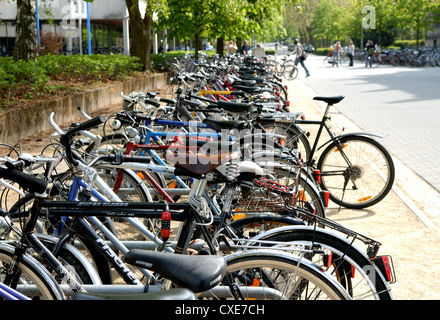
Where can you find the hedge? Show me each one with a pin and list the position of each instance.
(322, 51)
(32, 77)
(408, 43)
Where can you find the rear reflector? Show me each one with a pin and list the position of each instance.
(385, 265)
(325, 196)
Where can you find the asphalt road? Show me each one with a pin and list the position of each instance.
(400, 103)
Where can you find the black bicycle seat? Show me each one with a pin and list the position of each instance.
(247, 89)
(219, 125)
(197, 273)
(330, 100)
(172, 294)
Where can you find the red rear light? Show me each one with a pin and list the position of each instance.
(325, 197)
(385, 265)
(288, 103)
(318, 175)
(327, 258)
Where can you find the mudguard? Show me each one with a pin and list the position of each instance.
(352, 134)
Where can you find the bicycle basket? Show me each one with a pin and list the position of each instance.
(264, 195)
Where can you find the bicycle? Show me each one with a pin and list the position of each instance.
(354, 168)
(286, 68)
(113, 209)
(299, 266)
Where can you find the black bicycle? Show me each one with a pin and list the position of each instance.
(354, 168)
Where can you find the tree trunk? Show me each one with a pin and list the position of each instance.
(197, 46)
(140, 34)
(220, 46)
(25, 31)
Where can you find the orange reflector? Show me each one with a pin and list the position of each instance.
(140, 174)
(342, 147)
(238, 216)
(364, 199)
(172, 185)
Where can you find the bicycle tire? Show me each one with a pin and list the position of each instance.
(290, 72)
(266, 274)
(371, 172)
(32, 273)
(369, 281)
(296, 138)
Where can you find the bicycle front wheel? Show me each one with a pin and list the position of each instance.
(269, 275)
(34, 280)
(357, 173)
(290, 71)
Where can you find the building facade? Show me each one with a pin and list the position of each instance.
(432, 38)
(67, 19)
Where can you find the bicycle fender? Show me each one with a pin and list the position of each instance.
(352, 134)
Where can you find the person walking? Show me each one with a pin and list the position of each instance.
(370, 52)
(300, 56)
(244, 49)
(231, 48)
(350, 52)
(336, 48)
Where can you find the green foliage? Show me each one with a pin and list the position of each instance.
(322, 51)
(13, 73)
(270, 52)
(408, 43)
(30, 79)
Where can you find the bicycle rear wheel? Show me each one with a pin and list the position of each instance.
(270, 275)
(359, 173)
(338, 257)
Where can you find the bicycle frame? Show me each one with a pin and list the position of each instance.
(333, 137)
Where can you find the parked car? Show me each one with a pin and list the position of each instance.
(309, 48)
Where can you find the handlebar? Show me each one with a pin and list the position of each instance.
(26, 181)
(66, 138)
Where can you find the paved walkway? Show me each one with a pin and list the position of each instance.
(406, 222)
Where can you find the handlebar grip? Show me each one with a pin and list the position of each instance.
(26, 181)
(153, 103)
(86, 125)
(119, 158)
(167, 100)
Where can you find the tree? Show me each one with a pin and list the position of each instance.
(419, 14)
(190, 19)
(140, 28)
(25, 31)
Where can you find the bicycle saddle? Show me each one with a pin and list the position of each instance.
(199, 164)
(172, 294)
(234, 106)
(197, 273)
(247, 83)
(224, 124)
(330, 100)
(247, 89)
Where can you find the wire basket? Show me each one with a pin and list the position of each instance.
(264, 195)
